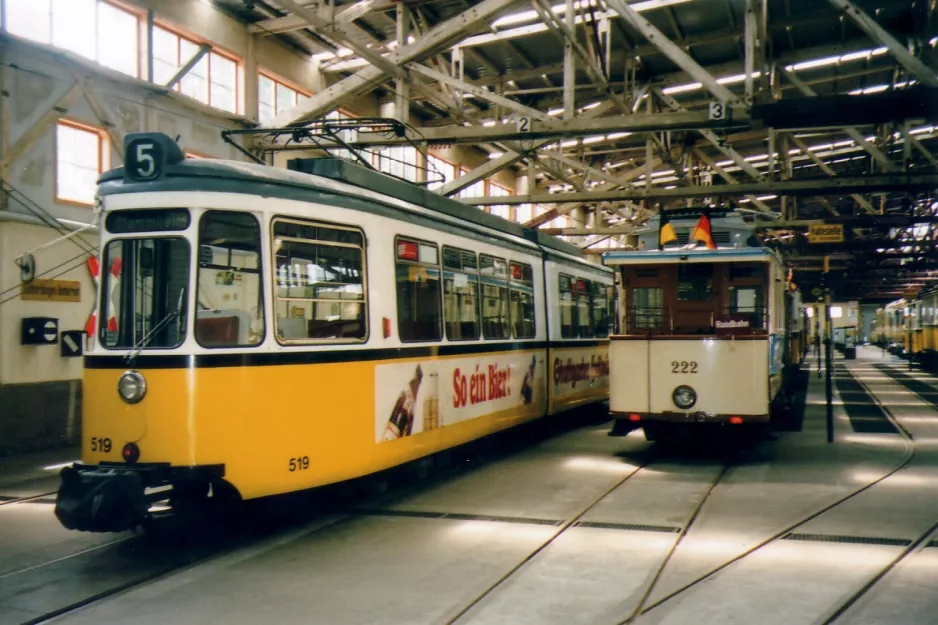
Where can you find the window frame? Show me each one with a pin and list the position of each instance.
(273, 268)
(102, 300)
(511, 286)
(104, 155)
(283, 82)
(455, 167)
(260, 279)
(441, 326)
(507, 280)
(478, 277)
(575, 291)
(136, 12)
(196, 40)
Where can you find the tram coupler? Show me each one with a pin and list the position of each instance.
(94, 499)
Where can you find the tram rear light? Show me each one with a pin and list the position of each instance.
(386, 326)
(130, 453)
(635, 417)
(736, 420)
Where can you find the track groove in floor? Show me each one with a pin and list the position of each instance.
(866, 417)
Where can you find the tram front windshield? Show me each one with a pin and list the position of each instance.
(148, 281)
(144, 292)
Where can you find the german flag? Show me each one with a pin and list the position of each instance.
(666, 232)
(702, 232)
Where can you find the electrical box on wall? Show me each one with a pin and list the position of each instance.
(71, 344)
(39, 331)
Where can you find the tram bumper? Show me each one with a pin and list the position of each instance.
(100, 499)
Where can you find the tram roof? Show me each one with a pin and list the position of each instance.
(231, 176)
(674, 256)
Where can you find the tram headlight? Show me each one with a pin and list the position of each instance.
(132, 386)
(684, 397)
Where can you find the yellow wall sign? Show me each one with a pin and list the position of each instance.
(826, 233)
(51, 291)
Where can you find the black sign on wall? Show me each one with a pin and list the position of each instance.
(39, 331)
(70, 345)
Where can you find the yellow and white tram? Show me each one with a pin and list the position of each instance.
(705, 333)
(268, 330)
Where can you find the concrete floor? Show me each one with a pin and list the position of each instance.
(428, 556)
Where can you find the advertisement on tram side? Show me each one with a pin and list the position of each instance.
(579, 372)
(422, 396)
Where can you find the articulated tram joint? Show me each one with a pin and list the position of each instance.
(113, 497)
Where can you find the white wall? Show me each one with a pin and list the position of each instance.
(20, 364)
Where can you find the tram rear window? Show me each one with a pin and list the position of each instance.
(148, 220)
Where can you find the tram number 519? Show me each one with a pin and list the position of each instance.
(101, 444)
(299, 464)
(684, 366)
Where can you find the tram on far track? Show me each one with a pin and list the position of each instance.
(711, 329)
(263, 330)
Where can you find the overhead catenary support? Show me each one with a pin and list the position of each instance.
(877, 33)
(878, 155)
(185, 69)
(841, 185)
(368, 78)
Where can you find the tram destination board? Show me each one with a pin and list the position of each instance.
(826, 233)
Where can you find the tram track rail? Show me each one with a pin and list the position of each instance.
(789, 530)
(26, 499)
(574, 520)
(333, 504)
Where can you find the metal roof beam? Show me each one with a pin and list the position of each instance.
(877, 33)
(853, 133)
(369, 78)
(578, 127)
(827, 186)
(859, 199)
(678, 56)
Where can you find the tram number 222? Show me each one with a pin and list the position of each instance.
(684, 366)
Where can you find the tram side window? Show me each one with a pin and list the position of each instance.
(568, 310)
(584, 309)
(522, 301)
(494, 274)
(419, 309)
(601, 312)
(229, 298)
(320, 277)
(460, 294)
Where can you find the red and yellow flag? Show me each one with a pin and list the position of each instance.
(703, 233)
(666, 232)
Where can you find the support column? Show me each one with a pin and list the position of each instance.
(250, 79)
(750, 47)
(569, 67)
(401, 85)
(458, 70)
